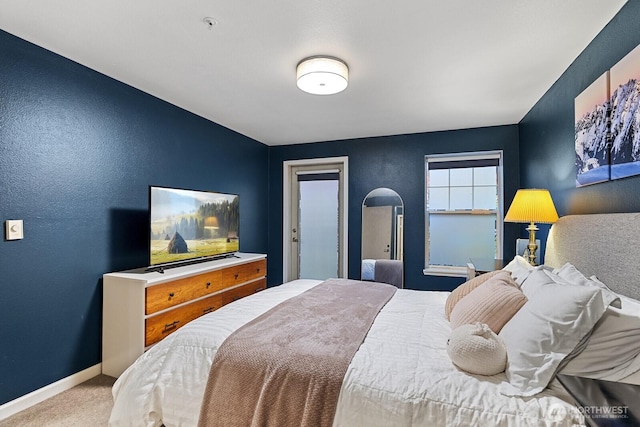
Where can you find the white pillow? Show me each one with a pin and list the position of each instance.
(519, 268)
(546, 329)
(571, 274)
(538, 277)
(476, 349)
(613, 349)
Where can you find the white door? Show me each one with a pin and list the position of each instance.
(376, 237)
(314, 229)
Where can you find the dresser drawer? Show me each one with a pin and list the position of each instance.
(243, 291)
(169, 294)
(159, 326)
(244, 272)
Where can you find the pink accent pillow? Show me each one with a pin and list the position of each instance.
(464, 289)
(494, 303)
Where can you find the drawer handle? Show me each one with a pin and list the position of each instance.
(171, 295)
(208, 310)
(236, 276)
(172, 325)
(208, 284)
(257, 270)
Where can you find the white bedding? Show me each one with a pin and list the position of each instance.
(400, 376)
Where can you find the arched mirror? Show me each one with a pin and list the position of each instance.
(382, 237)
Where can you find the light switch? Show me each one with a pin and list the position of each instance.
(13, 228)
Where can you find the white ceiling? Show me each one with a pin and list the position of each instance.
(414, 65)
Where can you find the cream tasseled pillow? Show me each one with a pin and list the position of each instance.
(477, 350)
(464, 289)
(494, 303)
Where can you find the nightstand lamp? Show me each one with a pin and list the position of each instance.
(531, 206)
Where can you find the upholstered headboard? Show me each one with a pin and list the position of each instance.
(603, 245)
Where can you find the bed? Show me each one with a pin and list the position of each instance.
(401, 375)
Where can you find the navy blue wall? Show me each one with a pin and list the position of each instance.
(77, 153)
(547, 150)
(396, 162)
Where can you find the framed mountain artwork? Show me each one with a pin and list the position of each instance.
(591, 130)
(607, 124)
(625, 116)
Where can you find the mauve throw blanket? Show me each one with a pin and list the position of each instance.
(285, 368)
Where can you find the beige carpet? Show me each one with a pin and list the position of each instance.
(85, 405)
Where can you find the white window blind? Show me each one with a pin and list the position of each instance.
(463, 212)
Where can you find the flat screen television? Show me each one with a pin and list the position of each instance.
(190, 225)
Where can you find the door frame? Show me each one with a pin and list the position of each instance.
(287, 165)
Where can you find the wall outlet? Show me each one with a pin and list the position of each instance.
(13, 229)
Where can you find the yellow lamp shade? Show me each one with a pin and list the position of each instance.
(532, 205)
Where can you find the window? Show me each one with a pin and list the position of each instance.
(463, 210)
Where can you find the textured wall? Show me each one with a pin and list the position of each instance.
(78, 151)
(547, 132)
(396, 162)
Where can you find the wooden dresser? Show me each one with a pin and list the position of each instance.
(141, 308)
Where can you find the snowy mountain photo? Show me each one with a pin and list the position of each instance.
(609, 147)
(625, 118)
(592, 159)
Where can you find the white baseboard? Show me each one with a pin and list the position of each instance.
(44, 393)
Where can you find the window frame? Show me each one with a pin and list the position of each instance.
(461, 271)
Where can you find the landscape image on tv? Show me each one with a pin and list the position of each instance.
(188, 225)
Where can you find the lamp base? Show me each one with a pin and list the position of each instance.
(532, 246)
(522, 248)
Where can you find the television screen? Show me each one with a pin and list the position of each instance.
(188, 225)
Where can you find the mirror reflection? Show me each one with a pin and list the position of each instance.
(382, 237)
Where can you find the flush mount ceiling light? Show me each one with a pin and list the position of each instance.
(322, 75)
